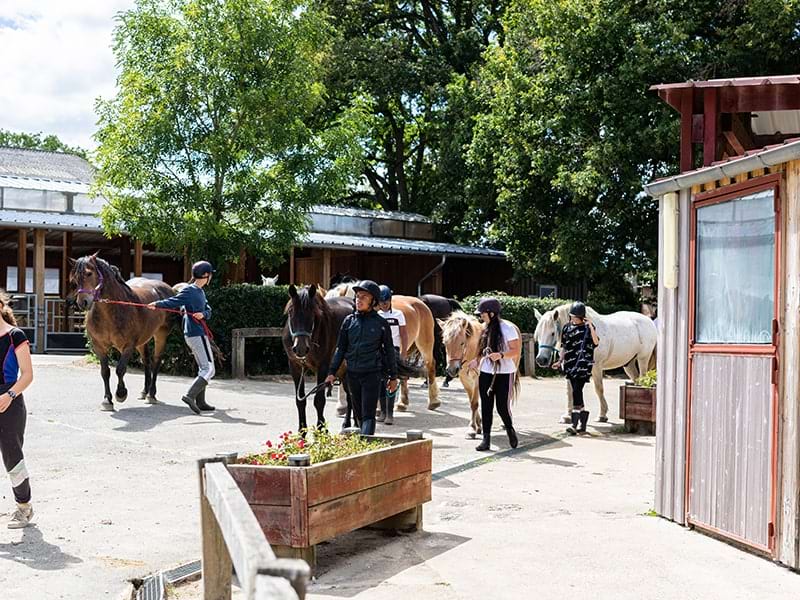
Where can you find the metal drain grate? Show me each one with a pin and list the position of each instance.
(152, 588)
(182, 573)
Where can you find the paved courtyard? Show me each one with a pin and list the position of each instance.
(116, 497)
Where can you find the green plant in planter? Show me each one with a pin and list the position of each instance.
(320, 445)
(647, 380)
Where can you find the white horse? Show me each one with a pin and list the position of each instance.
(627, 340)
(343, 289)
(269, 281)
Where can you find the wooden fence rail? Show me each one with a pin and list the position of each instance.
(233, 541)
(238, 337)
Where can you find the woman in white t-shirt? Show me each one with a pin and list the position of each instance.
(499, 346)
(397, 323)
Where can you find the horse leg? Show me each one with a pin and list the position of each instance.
(160, 342)
(299, 392)
(567, 416)
(341, 400)
(402, 403)
(631, 371)
(433, 387)
(144, 352)
(122, 392)
(472, 397)
(597, 378)
(105, 373)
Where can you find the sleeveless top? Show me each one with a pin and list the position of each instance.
(8, 351)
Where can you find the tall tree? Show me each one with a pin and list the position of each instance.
(207, 143)
(38, 141)
(571, 133)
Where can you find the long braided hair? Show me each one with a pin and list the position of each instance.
(492, 335)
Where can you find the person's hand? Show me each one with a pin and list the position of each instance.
(495, 356)
(473, 364)
(392, 385)
(5, 402)
(198, 316)
(330, 379)
(556, 365)
(152, 306)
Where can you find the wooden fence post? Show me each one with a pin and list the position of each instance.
(217, 565)
(237, 354)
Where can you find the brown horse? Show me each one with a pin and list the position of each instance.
(126, 328)
(309, 340)
(420, 329)
(461, 336)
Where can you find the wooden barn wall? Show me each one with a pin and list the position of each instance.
(464, 276)
(673, 309)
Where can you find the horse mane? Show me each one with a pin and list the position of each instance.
(455, 323)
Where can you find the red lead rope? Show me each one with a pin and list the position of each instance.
(201, 322)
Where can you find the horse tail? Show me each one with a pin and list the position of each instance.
(517, 387)
(653, 363)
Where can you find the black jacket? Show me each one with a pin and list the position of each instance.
(365, 342)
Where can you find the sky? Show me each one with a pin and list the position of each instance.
(56, 60)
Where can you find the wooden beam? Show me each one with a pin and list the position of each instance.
(710, 118)
(686, 131)
(38, 285)
(22, 259)
(137, 258)
(187, 265)
(737, 146)
(66, 254)
(125, 257)
(326, 268)
(291, 266)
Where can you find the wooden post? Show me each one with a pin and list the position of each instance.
(22, 259)
(217, 565)
(237, 355)
(529, 364)
(137, 258)
(38, 285)
(187, 265)
(710, 118)
(326, 268)
(687, 110)
(125, 257)
(66, 254)
(291, 266)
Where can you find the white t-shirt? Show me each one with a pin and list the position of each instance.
(396, 320)
(505, 365)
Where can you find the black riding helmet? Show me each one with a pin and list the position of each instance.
(578, 309)
(201, 269)
(488, 305)
(369, 286)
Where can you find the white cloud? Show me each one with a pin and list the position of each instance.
(56, 60)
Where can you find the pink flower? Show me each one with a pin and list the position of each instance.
(269, 444)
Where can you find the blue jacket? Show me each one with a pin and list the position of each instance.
(365, 341)
(191, 299)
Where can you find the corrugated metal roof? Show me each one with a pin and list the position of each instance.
(50, 185)
(768, 156)
(770, 122)
(734, 81)
(396, 245)
(23, 162)
(369, 214)
(50, 220)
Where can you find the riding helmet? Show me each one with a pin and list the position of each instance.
(386, 293)
(578, 309)
(488, 305)
(367, 285)
(202, 268)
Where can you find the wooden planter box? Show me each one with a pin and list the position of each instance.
(299, 507)
(637, 406)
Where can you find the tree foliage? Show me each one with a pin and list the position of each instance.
(208, 143)
(38, 141)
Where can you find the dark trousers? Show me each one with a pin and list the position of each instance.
(499, 394)
(364, 391)
(577, 392)
(12, 434)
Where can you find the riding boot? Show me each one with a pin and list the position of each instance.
(584, 419)
(201, 402)
(513, 441)
(573, 429)
(390, 397)
(190, 398)
(485, 444)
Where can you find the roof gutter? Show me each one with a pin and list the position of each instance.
(767, 158)
(431, 273)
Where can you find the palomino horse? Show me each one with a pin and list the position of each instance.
(420, 329)
(309, 339)
(627, 339)
(461, 336)
(441, 308)
(341, 290)
(122, 327)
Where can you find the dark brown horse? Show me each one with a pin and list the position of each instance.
(309, 339)
(126, 328)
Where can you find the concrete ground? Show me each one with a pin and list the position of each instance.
(116, 498)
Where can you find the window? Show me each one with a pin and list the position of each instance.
(34, 200)
(548, 291)
(81, 203)
(735, 277)
(52, 280)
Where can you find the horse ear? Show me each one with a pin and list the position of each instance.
(275, 279)
(94, 256)
(441, 322)
(72, 261)
(292, 291)
(538, 314)
(312, 290)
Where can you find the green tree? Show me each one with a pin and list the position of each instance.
(572, 133)
(208, 144)
(38, 141)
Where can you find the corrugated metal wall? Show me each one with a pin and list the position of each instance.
(673, 314)
(731, 442)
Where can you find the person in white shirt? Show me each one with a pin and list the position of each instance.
(499, 346)
(397, 323)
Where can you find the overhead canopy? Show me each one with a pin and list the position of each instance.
(396, 246)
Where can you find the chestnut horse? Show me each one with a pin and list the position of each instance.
(420, 326)
(126, 328)
(461, 334)
(309, 340)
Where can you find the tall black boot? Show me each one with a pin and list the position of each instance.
(573, 429)
(485, 444)
(584, 418)
(190, 398)
(201, 402)
(512, 437)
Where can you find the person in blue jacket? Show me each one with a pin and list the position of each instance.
(365, 341)
(194, 305)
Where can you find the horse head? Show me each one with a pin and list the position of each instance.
(458, 335)
(302, 313)
(547, 336)
(88, 276)
(269, 281)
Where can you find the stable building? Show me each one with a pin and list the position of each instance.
(728, 416)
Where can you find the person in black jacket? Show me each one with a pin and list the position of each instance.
(365, 341)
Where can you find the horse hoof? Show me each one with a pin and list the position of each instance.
(566, 419)
(107, 406)
(434, 405)
(401, 407)
(122, 398)
(143, 396)
(150, 400)
(603, 419)
(470, 435)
